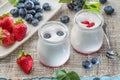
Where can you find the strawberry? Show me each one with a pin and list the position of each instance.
(6, 38)
(7, 22)
(0, 22)
(85, 22)
(90, 24)
(19, 30)
(25, 62)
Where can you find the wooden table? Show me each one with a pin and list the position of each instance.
(9, 68)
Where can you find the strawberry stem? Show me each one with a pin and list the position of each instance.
(1, 35)
(0, 42)
(21, 54)
(19, 21)
(6, 14)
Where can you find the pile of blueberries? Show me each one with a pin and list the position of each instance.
(88, 64)
(75, 5)
(30, 10)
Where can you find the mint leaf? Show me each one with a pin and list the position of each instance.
(73, 75)
(60, 74)
(65, 1)
(14, 2)
(91, 5)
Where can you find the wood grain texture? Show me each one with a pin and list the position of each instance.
(9, 68)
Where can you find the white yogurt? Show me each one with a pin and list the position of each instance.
(54, 51)
(87, 40)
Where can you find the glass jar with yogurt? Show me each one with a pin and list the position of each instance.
(53, 44)
(87, 33)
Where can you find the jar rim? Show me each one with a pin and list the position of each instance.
(88, 10)
(53, 22)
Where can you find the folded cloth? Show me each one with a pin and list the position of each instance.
(81, 78)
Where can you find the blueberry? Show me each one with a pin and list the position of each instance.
(47, 35)
(109, 10)
(22, 12)
(70, 6)
(14, 12)
(38, 16)
(20, 5)
(96, 78)
(38, 8)
(36, 2)
(21, 1)
(29, 18)
(60, 33)
(87, 64)
(46, 7)
(31, 12)
(102, 1)
(77, 8)
(29, 5)
(35, 22)
(95, 60)
(64, 19)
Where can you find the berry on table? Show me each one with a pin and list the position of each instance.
(46, 7)
(64, 19)
(14, 12)
(60, 33)
(21, 1)
(87, 64)
(109, 10)
(47, 35)
(102, 1)
(95, 60)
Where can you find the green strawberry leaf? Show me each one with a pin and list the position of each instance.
(60, 74)
(73, 75)
(65, 1)
(14, 2)
(21, 54)
(19, 21)
(0, 42)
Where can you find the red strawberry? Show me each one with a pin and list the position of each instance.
(90, 24)
(0, 22)
(85, 22)
(7, 22)
(6, 38)
(19, 30)
(25, 62)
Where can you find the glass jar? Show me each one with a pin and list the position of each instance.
(53, 44)
(87, 40)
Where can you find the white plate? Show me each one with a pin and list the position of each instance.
(31, 29)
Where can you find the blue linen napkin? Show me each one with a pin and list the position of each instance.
(81, 78)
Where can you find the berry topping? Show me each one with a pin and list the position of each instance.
(90, 25)
(60, 33)
(47, 35)
(85, 22)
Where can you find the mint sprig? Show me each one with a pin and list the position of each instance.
(63, 75)
(65, 1)
(14, 2)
